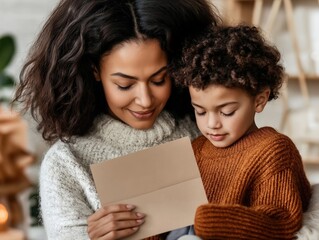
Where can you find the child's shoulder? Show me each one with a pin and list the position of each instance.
(271, 135)
(276, 148)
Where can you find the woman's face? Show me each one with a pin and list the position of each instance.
(135, 82)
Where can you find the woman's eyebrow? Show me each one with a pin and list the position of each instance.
(135, 78)
(158, 71)
(124, 75)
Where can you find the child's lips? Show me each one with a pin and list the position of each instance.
(216, 137)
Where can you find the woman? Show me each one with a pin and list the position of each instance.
(97, 81)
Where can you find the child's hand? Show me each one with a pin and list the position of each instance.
(114, 222)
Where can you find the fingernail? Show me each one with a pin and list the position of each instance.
(140, 220)
(140, 214)
(134, 228)
(129, 206)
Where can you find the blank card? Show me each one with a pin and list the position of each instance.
(163, 182)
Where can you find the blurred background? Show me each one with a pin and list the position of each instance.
(292, 25)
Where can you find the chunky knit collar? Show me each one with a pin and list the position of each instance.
(118, 134)
(110, 138)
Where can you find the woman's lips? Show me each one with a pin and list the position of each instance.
(142, 115)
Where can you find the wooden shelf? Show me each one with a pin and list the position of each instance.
(239, 11)
(250, 12)
(310, 161)
(308, 77)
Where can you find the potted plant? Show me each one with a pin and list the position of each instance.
(7, 51)
(14, 155)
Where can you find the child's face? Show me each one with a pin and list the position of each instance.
(223, 115)
(135, 81)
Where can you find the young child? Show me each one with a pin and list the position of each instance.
(254, 177)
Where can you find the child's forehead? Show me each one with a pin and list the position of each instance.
(217, 89)
(217, 94)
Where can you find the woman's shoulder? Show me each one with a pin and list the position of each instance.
(57, 157)
(59, 147)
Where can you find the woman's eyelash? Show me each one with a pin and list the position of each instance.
(160, 82)
(200, 113)
(124, 88)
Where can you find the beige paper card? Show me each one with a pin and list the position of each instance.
(163, 182)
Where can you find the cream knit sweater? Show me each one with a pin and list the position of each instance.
(67, 191)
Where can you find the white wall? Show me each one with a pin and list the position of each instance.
(23, 19)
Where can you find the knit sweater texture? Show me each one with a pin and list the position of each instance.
(257, 188)
(67, 191)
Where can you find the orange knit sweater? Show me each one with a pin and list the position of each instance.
(257, 188)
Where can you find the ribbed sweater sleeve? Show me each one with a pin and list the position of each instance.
(255, 191)
(267, 218)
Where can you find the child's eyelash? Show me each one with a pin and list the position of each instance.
(228, 114)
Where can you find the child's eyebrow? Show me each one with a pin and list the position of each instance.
(218, 106)
(225, 104)
(123, 75)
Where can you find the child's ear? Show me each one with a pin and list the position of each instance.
(261, 100)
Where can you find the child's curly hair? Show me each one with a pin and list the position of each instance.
(233, 57)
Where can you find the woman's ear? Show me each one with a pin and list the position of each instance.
(96, 74)
(261, 100)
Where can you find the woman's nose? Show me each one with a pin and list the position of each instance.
(144, 96)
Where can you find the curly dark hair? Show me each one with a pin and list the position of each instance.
(235, 57)
(57, 82)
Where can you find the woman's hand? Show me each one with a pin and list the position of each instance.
(114, 222)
